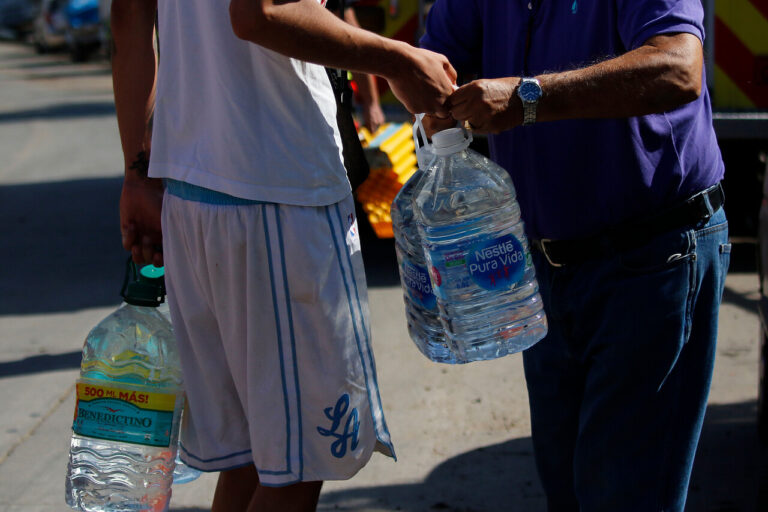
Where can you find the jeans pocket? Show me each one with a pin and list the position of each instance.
(663, 252)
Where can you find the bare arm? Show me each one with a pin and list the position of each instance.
(133, 77)
(661, 75)
(367, 90)
(303, 29)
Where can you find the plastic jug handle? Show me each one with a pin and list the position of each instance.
(418, 128)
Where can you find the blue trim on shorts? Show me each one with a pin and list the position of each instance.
(279, 346)
(354, 322)
(238, 466)
(217, 470)
(367, 339)
(293, 341)
(190, 192)
(214, 459)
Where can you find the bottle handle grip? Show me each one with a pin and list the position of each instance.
(418, 129)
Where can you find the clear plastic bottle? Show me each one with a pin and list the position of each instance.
(182, 473)
(421, 312)
(129, 403)
(477, 252)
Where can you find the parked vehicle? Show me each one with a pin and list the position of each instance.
(50, 27)
(105, 10)
(18, 16)
(83, 28)
(736, 53)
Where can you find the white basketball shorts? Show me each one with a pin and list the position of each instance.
(270, 309)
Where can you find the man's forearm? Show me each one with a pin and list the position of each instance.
(133, 77)
(366, 83)
(305, 30)
(662, 75)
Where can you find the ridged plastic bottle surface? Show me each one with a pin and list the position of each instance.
(421, 310)
(478, 256)
(130, 387)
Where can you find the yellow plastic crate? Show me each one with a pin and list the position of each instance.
(392, 158)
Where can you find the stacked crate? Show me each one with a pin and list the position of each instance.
(392, 158)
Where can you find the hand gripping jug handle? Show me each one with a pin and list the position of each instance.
(425, 153)
(425, 156)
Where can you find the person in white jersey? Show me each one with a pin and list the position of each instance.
(265, 278)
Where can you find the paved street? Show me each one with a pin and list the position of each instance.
(462, 434)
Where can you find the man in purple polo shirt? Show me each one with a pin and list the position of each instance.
(599, 113)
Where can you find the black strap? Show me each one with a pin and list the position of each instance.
(339, 81)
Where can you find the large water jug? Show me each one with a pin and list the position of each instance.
(129, 403)
(477, 252)
(421, 312)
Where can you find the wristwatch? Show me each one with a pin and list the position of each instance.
(529, 92)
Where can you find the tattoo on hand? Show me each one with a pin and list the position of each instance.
(141, 164)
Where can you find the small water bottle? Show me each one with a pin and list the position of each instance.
(477, 252)
(421, 312)
(129, 403)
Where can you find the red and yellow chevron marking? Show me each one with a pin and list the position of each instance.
(741, 54)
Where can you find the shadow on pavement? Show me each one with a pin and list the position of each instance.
(67, 73)
(731, 467)
(742, 300)
(60, 111)
(378, 254)
(730, 472)
(41, 363)
(61, 246)
(501, 477)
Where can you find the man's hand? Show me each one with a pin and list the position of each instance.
(140, 204)
(489, 105)
(434, 124)
(425, 83)
(422, 80)
(373, 116)
(133, 75)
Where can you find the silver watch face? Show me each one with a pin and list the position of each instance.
(529, 91)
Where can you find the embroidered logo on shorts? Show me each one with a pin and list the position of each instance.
(353, 238)
(348, 437)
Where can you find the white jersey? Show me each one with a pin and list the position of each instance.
(237, 118)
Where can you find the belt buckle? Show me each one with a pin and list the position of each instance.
(702, 204)
(543, 248)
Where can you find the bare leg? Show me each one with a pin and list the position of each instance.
(301, 497)
(235, 489)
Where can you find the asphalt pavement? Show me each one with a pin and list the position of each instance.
(462, 434)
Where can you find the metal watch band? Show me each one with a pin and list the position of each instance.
(529, 113)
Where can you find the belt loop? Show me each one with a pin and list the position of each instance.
(542, 246)
(702, 204)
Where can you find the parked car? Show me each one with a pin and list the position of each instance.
(84, 29)
(105, 10)
(50, 29)
(18, 16)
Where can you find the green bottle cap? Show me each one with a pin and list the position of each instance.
(145, 287)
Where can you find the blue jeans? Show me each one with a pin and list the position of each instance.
(619, 386)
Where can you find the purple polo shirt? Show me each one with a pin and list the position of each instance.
(576, 178)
